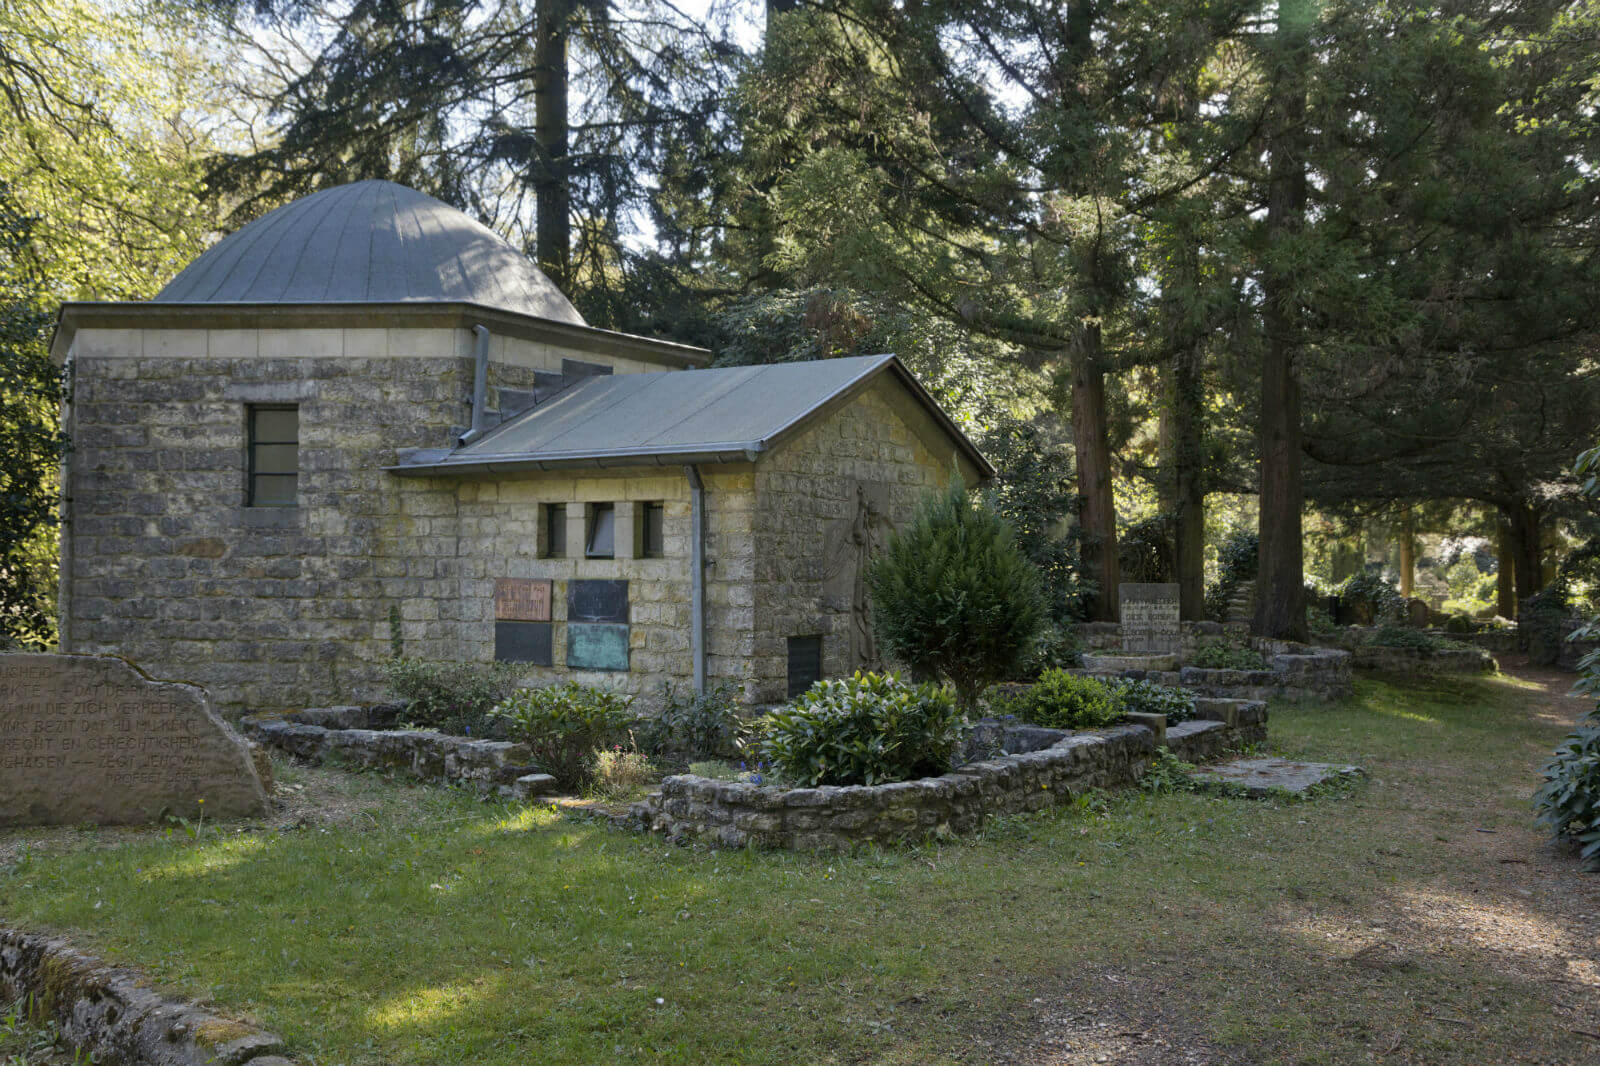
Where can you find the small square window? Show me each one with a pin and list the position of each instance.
(652, 530)
(555, 530)
(273, 456)
(602, 533)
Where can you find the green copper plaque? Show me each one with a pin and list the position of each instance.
(597, 646)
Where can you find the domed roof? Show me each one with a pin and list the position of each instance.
(369, 242)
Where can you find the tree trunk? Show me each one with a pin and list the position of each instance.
(1188, 477)
(1280, 586)
(1525, 525)
(552, 195)
(1097, 512)
(1505, 587)
(1408, 553)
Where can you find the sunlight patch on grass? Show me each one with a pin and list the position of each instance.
(204, 860)
(425, 1008)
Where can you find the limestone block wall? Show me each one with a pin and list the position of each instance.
(272, 608)
(805, 501)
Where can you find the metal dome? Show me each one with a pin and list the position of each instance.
(369, 242)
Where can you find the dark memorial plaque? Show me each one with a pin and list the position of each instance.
(92, 739)
(1149, 615)
(521, 599)
(597, 601)
(597, 646)
(522, 642)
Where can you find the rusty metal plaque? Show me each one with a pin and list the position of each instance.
(521, 599)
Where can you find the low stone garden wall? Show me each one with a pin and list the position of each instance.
(1424, 660)
(1303, 674)
(366, 737)
(112, 1015)
(1106, 637)
(1055, 767)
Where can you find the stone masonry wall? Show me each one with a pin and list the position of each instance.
(805, 501)
(270, 608)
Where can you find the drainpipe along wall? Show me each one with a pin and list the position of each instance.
(697, 576)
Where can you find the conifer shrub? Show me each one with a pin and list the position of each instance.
(869, 729)
(953, 596)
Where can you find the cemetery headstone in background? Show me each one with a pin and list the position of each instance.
(1149, 614)
(92, 739)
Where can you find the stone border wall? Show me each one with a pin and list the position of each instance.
(365, 737)
(735, 814)
(1106, 637)
(1424, 660)
(108, 1012)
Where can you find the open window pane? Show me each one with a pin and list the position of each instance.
(654, 530)
(555, 530)
(602, 531)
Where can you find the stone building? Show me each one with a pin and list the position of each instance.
(366, 424)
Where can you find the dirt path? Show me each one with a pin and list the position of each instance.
(1505, 895)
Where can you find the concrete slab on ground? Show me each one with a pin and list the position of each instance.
(1261, 778)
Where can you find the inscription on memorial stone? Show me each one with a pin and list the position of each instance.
(1149, 615)
(521, 599)
(87, 738)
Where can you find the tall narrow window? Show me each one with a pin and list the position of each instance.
(652, 532)
(555, 530)
(274, 456)
(602, 531)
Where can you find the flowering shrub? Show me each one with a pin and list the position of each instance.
(865, 730)
(565, 725)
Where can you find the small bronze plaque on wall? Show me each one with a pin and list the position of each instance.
(521, 599)
(597, 646)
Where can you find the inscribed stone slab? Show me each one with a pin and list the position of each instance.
(91, 738)
(521, 599)
(1149, 614)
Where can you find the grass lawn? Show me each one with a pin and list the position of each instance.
(1419, 918)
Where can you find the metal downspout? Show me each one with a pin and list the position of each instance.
(697, 576)
(480, 386)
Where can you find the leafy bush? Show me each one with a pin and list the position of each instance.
(1056, 647)
(1064, 701)
(1147, 550)
(1568, 803)
(1238, 560)
(565, 725)
(954, 597)
(1147, 697)
(865, 730)
(1219, 655)
(619, 772)
(1034, 488)
(693, 725)
(1372, 591)
(1459, 623)
(1392, 636)
(450, 697)
(1167, 774)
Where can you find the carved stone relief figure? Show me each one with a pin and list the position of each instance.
(850, 546)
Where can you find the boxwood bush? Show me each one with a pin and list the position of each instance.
(869, 729)
(1064, 701)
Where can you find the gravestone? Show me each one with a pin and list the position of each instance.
(1149, 614)
(92, 739)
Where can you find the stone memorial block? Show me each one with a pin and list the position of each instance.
(1149, 615)
(91, 738)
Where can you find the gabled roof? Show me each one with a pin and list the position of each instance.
(369, 242)
(728, 414)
